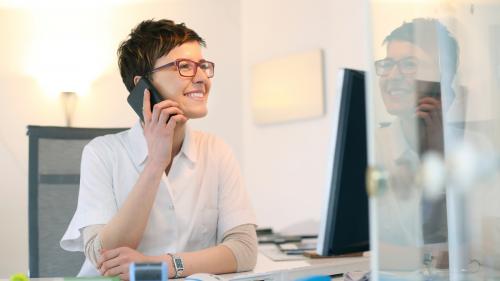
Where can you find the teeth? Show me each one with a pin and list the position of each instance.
(398, 92)
(195, 95)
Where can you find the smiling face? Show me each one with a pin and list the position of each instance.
(191, 93)
(398, 89)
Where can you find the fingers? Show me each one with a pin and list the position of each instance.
(179, 118)
(104, 257)
(156, 112)
(425, 116)
(167, 112)
(113, 262)
(429, 100)
(176, 119)
(116, 262)
(121, 270)
(107, 255)
(431, 118)
(163, 110)
(110, 264)
(146, 106)
(110, 254)
(124, 276)
(428, 107)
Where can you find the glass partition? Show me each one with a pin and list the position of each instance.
(434, 126)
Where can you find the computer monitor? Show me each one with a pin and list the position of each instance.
(344, 220)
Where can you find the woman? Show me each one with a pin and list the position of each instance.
(160, 191)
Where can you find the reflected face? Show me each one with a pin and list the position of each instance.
(191, 93)
(404, 64)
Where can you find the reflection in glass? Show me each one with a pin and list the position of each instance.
(435, 132)
(411, 92)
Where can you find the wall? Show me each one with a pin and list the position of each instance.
(285, 164)
(32, 36)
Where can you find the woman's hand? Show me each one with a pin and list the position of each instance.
(158, 132)
(116, 262)
(430, 112)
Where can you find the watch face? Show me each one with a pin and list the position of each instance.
(178, 264)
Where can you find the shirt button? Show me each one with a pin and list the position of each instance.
(171, 207)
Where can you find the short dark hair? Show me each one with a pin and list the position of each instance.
(435, 39)
(147, 42)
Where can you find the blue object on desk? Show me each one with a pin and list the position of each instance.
(148, 271)
(315, 278)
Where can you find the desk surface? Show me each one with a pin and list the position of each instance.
(291, 270)
(288, 270)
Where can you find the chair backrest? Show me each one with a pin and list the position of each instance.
(54, 178)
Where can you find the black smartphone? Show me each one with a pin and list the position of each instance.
(428, 89)
(136, 97)
(433, 139)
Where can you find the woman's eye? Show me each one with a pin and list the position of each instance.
(185, 66)
(387, 64)
(409, 64)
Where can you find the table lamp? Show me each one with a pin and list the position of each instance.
(69, 103)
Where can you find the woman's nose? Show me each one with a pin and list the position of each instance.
(394, 72)
(200, 76)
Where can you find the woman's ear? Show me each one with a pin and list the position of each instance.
(136, 79)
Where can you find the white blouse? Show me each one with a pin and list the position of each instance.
(202, 197)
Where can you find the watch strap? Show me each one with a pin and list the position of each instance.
(178, 265)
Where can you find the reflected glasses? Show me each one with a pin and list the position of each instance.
(188, 68)
(406, 66)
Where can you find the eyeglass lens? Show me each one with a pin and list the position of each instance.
(405, 66)
(189, 68)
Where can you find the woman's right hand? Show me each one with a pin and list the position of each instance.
(158, 133)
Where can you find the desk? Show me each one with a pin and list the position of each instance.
(291, 270)
(288, 270)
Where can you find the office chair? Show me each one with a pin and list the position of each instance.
(54, 178)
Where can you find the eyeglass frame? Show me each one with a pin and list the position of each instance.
(176, 63)
(396, 63)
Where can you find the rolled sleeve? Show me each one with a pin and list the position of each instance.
(242, 241)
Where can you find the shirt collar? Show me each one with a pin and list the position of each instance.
(139, 146)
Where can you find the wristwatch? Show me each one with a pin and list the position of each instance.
(178, 265)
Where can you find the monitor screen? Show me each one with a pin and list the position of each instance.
(344, 220)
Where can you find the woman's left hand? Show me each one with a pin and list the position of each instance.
(115, 262)
(430, 111)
